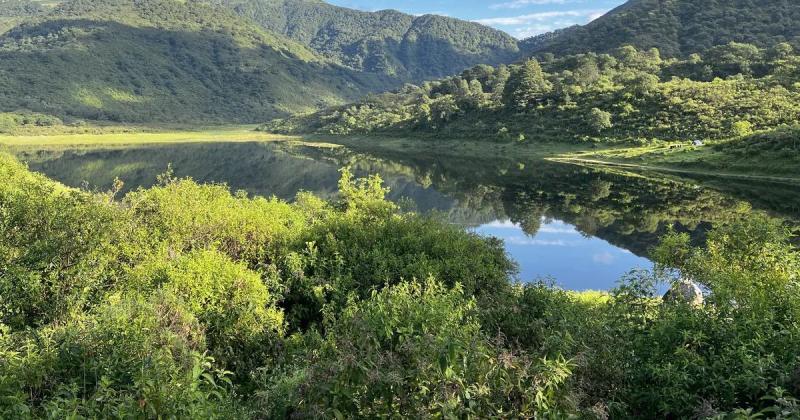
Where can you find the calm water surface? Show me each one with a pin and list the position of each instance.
(562, 254)
(579, 227)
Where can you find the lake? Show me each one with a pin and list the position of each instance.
(578, 227)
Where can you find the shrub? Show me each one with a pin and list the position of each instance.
(60, 249)
(736, 348)
(742, 128)
(417, 350)
(233, 305)
(599, 120)
(132, 357)
(191, 216)
(347, 254)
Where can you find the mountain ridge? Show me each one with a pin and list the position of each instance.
(412, 48)
(678, 27)
(198, 60)
(162, 60)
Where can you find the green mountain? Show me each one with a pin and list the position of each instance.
(409, 48)
(220, 60)
(12, 12)
(163, 61)
(678, 27)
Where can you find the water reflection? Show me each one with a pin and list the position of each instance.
(559, 252)
(584, 227)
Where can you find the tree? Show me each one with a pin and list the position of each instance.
(527, 87)
(482, 73)
(587, 73)
(476, 96)
(742, 128)
(497, 82)
(599, 120)
(734, 58)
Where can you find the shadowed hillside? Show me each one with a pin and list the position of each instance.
(163, 61)
(409, 48)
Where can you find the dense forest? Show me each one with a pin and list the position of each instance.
(408, 48)
(156, 61)
(678, 27)
(630, 95)
(161, 60)
(184, 300)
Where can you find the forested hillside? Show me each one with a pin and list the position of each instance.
(154, 61)
(409, 48)
(629, 95)
(14, 11)
(163, 61)
(679, 27)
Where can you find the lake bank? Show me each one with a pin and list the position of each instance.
(711, 160)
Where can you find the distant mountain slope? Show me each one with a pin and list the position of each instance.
(410, 48)
(680, 27)
(14, 11)
(163, 60)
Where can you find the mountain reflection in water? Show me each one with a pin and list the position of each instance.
(582, 227)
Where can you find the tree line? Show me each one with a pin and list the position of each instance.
(630, 95)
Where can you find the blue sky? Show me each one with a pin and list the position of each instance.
(560, 252)
(520, 18)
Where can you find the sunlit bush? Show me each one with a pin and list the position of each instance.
(170, 303)
(233, 305)
(59, 248)
(132, 357)
(417, 350)
(190, 216)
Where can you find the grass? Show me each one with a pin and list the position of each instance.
(247, 133)
(152, 136)
(729, 158)
(217, 134)
(712, 159)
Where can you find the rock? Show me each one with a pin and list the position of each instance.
(685, 291)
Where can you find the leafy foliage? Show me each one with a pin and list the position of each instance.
(678, 27)
(426, 356)
(630, 95)
(171, 303)
(407, 48)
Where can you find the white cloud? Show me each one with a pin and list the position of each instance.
(432, 13)
(502, 224)
(557, 229)
(597, 14)
(528, 25)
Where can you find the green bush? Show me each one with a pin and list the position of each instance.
(186, 216)
(131, 357)
(730, 352)
(59, 248)
(233, 305)
(417, 350)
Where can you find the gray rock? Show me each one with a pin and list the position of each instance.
(685, 291)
